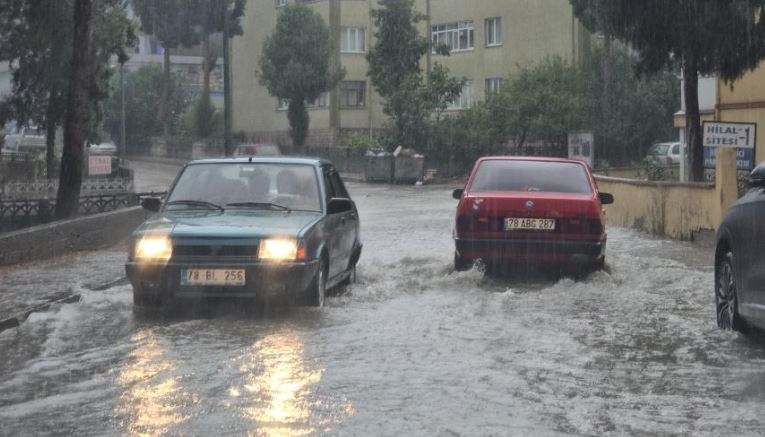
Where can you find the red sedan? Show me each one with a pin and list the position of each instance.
(519, 210)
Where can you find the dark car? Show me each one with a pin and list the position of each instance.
(262, 228)
(520, 211)
(740, 260)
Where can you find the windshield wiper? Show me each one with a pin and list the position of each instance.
(206, 204)
(260, 205)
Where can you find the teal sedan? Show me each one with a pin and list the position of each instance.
(268, 229)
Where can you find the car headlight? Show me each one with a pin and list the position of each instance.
(154, 248)
(278, 249)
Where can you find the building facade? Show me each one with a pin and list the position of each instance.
(488, 39)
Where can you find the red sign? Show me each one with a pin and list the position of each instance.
(99, 165)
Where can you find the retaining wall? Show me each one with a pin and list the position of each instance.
(676, 210)
(58, 238)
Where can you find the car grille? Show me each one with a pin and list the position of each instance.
(214, 252)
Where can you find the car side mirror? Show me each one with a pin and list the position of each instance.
(606, 198)
(457, 194)
(151, 203)
(337, 205)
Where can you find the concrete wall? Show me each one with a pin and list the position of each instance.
(676, 210)
(85, 233)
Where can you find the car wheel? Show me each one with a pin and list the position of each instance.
(461, 264)
(726, 296)
(351, 279)
(146, 299)
(317, 291)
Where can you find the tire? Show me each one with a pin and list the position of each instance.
(460, 264)
(317, 291)
(146, 300)
(351, 279)
(726, 296)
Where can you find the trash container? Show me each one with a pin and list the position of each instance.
(408, 168)
(379, 166)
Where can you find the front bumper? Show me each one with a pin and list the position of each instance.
(529, 250)
(262, 280)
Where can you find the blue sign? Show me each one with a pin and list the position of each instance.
(744, 158)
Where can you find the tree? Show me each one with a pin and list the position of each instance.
(143, 90)
(704, 37)
(174, 23)
(75, 127)
(211, 13)
(295, 66)
(394, 68)
(541, 102)
(38, 44)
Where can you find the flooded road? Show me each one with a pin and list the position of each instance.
(411, 349)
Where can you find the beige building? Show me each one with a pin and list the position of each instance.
(488, 40)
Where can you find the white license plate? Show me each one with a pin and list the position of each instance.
(212, 277)
(529, 224)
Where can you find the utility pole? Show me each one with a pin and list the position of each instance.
(226, 83)
(123, 143)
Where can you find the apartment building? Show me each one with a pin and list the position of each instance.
(488, 39)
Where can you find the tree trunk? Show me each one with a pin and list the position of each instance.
(164, 100)
(77, 114)
(50, 139)
(207, 64)
(693, 118)
(299, 121)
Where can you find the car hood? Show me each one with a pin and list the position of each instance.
(230, 224)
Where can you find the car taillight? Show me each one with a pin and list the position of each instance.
(581, 226)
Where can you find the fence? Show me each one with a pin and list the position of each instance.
(18, 214)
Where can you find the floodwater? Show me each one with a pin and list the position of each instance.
(411, 349)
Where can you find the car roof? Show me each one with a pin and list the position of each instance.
(532, 158)
(264, 160)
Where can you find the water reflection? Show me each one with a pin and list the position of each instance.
(151, 399)
(281, 386)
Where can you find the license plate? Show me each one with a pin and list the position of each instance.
(529, 224)
(212, 277)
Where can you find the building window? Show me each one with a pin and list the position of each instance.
(455, 36)
(493, 85)
(493, 31)
(465, 100)
(321, 102)
(279, 3)
(353, 94)
(353, 40)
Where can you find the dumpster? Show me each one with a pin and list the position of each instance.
(379, 166)
(408, 167)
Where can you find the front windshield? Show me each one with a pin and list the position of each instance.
(248, 184)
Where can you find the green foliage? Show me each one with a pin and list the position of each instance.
(725, 38)
(39, 44)
(202, 117)
(296, 65)
(173, 22)
(143, 90)
(398, 48)
(394, 68)
(542, 102)
(359, 144)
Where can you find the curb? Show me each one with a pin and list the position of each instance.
(61, 298)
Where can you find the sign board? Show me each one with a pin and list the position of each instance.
(581, 146)
(739, 136)
(99, 165)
